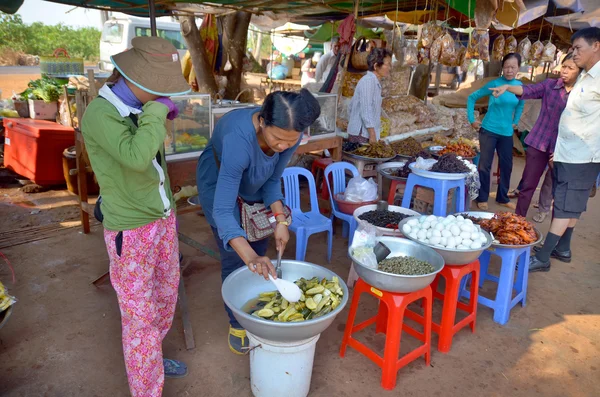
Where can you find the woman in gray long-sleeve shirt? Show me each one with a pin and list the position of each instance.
(364, 124)
(245, 158)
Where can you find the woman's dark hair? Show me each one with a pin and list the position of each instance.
(377, 56)
(567, 57)
(114, 77)
(290, 110)
(512, 55)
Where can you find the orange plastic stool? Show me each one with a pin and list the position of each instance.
(393, 189)
(453, 274)
(318, 170)
(389, 320)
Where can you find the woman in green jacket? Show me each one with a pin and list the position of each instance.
(124, 130)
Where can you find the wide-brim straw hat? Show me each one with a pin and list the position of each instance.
(153, 65)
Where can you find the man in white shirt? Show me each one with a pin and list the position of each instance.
(327, 61)
(577, 153)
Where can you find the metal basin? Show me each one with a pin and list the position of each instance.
(495, 243)
(242, 286)
(387, 169)
(5, 315)
(453, 257)
(396, 282)
(384, 230)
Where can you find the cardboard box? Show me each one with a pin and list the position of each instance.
(41, 110)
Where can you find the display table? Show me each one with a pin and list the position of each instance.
(333, 144)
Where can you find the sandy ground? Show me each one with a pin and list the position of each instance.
(15, 82)
(64, 336)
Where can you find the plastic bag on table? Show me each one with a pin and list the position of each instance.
(524, 49)
(365, 238)
(359, 190)
(510, 45)
(536, 52)
(424, 164)
(498, 48)
(549, 52)
(411, 55)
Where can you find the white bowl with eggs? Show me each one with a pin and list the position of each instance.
(458, 240)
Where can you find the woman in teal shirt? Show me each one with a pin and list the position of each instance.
(496, 131)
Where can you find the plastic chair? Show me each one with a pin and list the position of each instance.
(305, 224)
(393, 307)
(338, 173)
(504, 301)
(454, 274)
(440, 187)
(318, 167)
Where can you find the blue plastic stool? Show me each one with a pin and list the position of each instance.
(338, 174)
(440, 188)
(504, 301)
(305, 223)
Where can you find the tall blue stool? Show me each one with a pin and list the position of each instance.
(504, 302)
(440, 188)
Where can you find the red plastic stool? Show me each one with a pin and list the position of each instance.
(453, 274)
(393, 189)
(318, 170)
(389, 320)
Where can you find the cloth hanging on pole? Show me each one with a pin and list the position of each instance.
(210, 37)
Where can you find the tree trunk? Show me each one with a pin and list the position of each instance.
(235, 35)
(204, 75)
(258, 46)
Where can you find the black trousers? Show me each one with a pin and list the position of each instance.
(489, 143)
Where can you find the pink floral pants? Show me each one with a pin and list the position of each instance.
(146, 278)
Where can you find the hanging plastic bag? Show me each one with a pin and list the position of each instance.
(427, 33)
(423, 55)
(411, 55)
(448, 50)
(484, 13)
(395, 42)
(479, 45)
(510, 45)
(498, 48)
(536, 53)
(360, 190)
(435, 51)
(549, 52)
(524, 49)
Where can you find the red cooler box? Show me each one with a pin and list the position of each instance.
(34, 149)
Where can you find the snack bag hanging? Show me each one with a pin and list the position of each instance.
(479, 44)
(536, 53)
(510, 45)
(524, 49)
(498, 48)
(411, 55)
(549, 52)
(448, 55)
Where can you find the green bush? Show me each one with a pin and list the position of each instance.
(42, 40)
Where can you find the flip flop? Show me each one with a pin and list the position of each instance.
(513, 193)
(174, 368)
(482, 206)
(510, 205)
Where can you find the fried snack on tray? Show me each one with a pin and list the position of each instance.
(378, 150)
(508, 228)
(460, 149)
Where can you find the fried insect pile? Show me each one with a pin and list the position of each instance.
(509, 228)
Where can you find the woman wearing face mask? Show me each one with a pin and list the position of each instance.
(364, 110)
(496, 130)
(124, 131)
(542, 138)
(245, 158)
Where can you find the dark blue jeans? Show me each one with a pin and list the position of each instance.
(489, 143)
(231, 261)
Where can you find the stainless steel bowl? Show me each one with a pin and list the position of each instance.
(387, 169)
(495, 244)
(384, 230)
(369, 159)
(396, 282)
(453, 257)
(242, 285)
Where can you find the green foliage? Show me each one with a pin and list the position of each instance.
(46, 89)
(42, 40)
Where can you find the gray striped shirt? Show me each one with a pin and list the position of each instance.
(364, 109)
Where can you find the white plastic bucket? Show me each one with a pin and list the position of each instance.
(280, 368)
